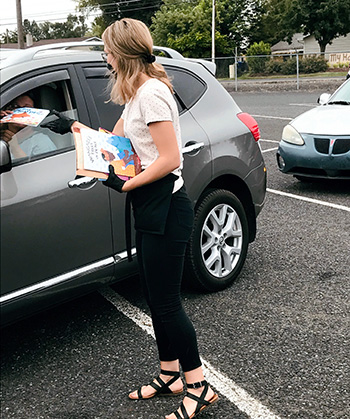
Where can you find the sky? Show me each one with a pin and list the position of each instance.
(38, 10)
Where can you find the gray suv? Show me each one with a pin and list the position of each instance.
(62, 236)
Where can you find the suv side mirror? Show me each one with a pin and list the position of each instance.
(324, 98)
(5, 157)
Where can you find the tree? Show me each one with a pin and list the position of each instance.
(186, 25)
(33, 28)
(325, 19)
(258, 64)
(9, 37)
(240, 21)
(73, 27)
(111, 11)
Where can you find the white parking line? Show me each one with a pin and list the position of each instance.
(236, 395)
(272, 117)
(313, 105)
(269, 149)
(269, 141)
(314, 201)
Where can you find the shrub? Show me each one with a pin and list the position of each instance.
(313, 64)
(257, 64)
(289, 66)
(273, 66)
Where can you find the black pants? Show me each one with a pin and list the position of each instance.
(161, 259)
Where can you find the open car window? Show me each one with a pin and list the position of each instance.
(28, 143)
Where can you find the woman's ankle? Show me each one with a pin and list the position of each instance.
(170, 365)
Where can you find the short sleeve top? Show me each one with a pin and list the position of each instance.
(153, 102)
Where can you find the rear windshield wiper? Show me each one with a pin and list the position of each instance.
(339, 102)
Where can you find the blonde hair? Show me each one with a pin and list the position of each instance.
(130, 43)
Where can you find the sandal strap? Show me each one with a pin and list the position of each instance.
(177, 414)
(199, 399)
(161, 386)
(198, 384)
(184, 412)
(171, 373)
(157, 386)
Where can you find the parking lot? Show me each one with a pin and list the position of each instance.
(275, 345)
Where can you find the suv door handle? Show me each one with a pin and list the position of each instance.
(82, 181)
(191, 147)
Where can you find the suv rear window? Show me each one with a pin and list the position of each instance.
(187, 85)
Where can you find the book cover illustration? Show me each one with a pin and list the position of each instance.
(26, 116)
(96, 150)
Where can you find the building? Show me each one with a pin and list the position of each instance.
(336, 52)
(295, 46)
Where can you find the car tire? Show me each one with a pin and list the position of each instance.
(220, 225)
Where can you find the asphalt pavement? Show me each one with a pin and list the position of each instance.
(275, 344)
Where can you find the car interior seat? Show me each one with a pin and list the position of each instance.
(51, 97)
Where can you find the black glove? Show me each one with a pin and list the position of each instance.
(113, 181)
(62, 125)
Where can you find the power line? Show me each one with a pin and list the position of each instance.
(91, 14)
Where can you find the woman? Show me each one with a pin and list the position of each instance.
(162, 210)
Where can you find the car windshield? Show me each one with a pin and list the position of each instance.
(342, 96)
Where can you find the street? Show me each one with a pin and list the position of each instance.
(274, 345)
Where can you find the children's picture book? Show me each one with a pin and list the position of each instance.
(96, 150)
(26, 116)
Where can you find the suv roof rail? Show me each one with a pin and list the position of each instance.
(29, 54)
(169, 52)
(172, 53)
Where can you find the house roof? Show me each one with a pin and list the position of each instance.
(284, 46)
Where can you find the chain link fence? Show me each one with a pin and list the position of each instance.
(292, 67)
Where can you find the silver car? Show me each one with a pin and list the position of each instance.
(316, 144)
(62, 236)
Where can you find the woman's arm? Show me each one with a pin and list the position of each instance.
(119, 128)
(169, 159)
(79, 125)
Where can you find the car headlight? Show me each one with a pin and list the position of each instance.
(291, 135)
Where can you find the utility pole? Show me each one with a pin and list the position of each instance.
(213, 33)
(19, 25)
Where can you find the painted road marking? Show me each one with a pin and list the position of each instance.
(270, 141)
(272, 117)
(314, 201)
(269, 149)
(224, 385)
(304, 104)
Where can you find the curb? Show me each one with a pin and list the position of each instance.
(326, 85)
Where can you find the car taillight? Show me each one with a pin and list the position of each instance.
(251, 123)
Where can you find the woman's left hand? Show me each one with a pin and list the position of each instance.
(114, 181)
(62, 125)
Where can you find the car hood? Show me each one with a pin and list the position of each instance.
(324, 120)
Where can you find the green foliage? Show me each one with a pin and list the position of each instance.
(273, 66)
(312, 64)
(73, 27)
(326, 19)
(111, 11)
(241, 21)
(186, 27)
(257, 64)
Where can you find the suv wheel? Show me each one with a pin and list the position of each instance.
(219, 242)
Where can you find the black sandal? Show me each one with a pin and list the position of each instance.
(162, 389)
(201, 402)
